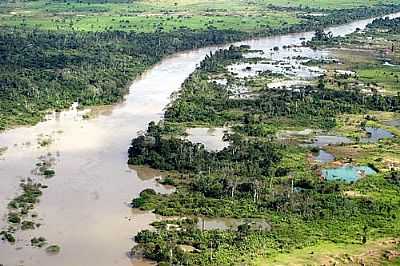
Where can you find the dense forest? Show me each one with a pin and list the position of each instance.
(42, 70)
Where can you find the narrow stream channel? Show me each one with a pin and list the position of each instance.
(84, 210)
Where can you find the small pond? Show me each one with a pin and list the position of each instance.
(323, 157)
(390, 65)
(347, 173)
(205, 223)
(321, 141)
(376, 134)
(211, 138)
(287, 84)
(287, 68)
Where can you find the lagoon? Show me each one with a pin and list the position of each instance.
(347, 173)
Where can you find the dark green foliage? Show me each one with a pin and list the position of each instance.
(148, 193)
(41, 70)
(26, 225)
(53, 249)
(38, 242)
(167, 181)
(20, 207)
(392, 25)
(49, 173)
(7, 236)
(14, 218)
(299, 219)
(393, 177)
(247, 157)
(341, 16)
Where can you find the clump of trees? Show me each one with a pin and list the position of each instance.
(392, 25)
(20, 207)
(243, 156)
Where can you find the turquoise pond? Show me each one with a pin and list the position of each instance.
(347, 173)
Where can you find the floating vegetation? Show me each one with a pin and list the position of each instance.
(27, 225)
(322, 156)
(3, 150)
(53, 249)
(45, 166)
(7, 236)
(38, 242)
(44, 141)
(19, 209)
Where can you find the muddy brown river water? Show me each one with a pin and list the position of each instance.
(85, 209)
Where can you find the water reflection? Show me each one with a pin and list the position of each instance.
(206, 223)
(323, 157)
(324, 140)
(211, 138)
(145, 172)
(376, 134)
(394, 123)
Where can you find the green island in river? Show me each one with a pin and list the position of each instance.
(267, 155)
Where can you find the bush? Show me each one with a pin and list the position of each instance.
(148, 193)
(53, 249)
(14, 218)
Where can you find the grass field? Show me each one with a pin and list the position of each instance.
(149, 16)
(373, 253)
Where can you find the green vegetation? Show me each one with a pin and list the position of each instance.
(204, 102)
(392, 25)
(20, 207)
(27, 225)
(57, 53)
(7, 236)
(261, 176)
(379, 252)
(42, 70)
(53, 249)
(38, 242)
(371, 55)
(168, 15)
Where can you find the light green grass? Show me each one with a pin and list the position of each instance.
(150, 15)
(327, 253)
(385, 76)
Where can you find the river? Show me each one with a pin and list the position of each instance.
(85, 209)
